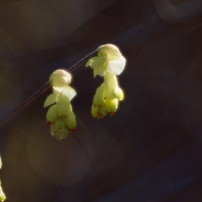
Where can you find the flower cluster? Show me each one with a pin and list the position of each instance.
(60, 115)
(108, 63)
(2, 195)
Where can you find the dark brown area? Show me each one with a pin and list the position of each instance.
(151, 149)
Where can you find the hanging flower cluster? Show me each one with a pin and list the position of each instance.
(2, 195)
(60, 115)
(108, 63)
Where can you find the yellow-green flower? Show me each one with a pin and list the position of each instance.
(108, 63)
(53, 98)
(109, 59)
(2, 195)
(60, 115)
(107, 97)
(60, 78)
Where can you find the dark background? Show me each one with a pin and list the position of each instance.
(151, 150)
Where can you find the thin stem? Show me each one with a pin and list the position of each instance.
(43, 89)
(76, 65)
(35, 95)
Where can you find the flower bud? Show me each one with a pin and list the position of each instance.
(60, 78)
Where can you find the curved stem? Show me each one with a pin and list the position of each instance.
(35, 95)
(43, 89)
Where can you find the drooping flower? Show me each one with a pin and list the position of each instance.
(107, 97)
(109, 58)
(60, 114)
(108, 63)
(2, 195)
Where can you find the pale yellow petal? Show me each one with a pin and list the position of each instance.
(120, 94)
(52, 129)
(60, 78)
(61, 134)
(112, 105)
(2, 195)
(69, 92)
(71, 120)
(110, 80)
(102, 111)
(58, 89)
(98, 111)
(98, 64)
(59, 125)
(95, 62)
(109, 50)
(64, 105)
(51, 99)
(52, 114)
(99, 95)
(94, 111)
(117, 66)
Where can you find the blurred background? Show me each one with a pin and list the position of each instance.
(151, 149)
